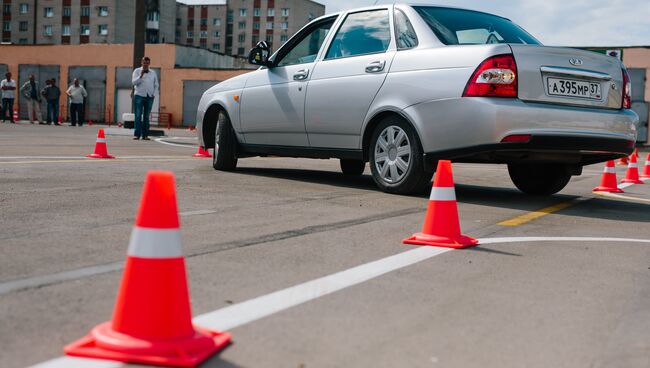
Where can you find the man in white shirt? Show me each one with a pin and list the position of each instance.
(8, 86)
(77, 93)
(145, 83)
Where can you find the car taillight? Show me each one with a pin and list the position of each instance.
(627, 91)
(495, 77)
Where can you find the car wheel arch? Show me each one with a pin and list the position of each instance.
(209, 124)
(374, 121)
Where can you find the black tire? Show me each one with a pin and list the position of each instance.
(352, 167)
(539, 179)
(416, 178)
(225, 145)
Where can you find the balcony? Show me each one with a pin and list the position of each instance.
(153, 24)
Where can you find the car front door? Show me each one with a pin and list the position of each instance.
(272, 103)
(345, 82)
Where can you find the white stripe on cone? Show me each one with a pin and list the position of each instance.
(442, 194)
(155, 243)
(101, 140)
(609, 170)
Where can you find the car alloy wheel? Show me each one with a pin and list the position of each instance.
(393, 154)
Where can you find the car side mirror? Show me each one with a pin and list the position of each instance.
(260, 54)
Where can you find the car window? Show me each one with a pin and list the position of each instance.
(307, 46)
(404, 32)
(466, 27)
(361, 33)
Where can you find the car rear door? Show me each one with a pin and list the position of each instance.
(347, 79)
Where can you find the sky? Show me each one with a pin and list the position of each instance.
(556, 22)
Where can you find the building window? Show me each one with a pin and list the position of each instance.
(204, 34)
(269, 38)
(103, 29)
(270, 12)
(178, 22)
(190, 22)
(6, 8)
(24, 8)
(285, 12)
(241, 25)
(216, 22)
(102, 11)
(48, 12)
(153, 16)
(67, 11)
(85, 11)
(22, 41)
(177, 34)
(256, 25)
(65, 31)
(22, 26)
(229, 16)
(84, 30)
(242, 12)
(216, 46)
(256, 39)
(204, 22)
(216, 34)
(284, 38)
(269, 25)
(47, 30)
(190, 34)
(284, 25)
(241, 51)
(6, 26)
(256, 12)
(241, 37)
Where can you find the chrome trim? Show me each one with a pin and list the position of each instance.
(570, 72)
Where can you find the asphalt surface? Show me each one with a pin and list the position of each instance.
(279, 222)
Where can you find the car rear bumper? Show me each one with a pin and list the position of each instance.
(471, 130)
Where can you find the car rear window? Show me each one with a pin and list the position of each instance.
(466, 27)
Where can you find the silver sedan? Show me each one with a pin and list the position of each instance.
(402, 86)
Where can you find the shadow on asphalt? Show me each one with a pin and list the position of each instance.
(607, 209)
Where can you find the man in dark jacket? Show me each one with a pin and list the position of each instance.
(52, 94)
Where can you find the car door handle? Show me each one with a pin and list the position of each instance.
(301, 74)
(376, 66)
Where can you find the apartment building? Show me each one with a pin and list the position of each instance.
(72, 22)
(233, 27)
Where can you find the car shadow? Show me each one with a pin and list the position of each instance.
(510, 198)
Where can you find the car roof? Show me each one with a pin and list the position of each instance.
(411, 4)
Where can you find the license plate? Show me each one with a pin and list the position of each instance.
(573, 88)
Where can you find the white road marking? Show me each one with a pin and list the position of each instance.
(162, 140)
(254, 309)
(74, 157)
(196, 213)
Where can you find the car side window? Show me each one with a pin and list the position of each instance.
(307, 45)
(361, 33)
(404, 32)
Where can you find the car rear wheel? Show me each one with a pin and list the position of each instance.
(539, 179)
(396, 159)
(225, 145)
(352, 167)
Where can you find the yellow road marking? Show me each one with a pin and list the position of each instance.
(95, 160)
(614, 195)
(530, 216)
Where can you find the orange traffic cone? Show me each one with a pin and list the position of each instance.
(202, 152)
(632, 173)
(90, 123)
(152, 318)
(646, 168)
(100, 147)
(441, 227)
(608, 183)
(15, 115)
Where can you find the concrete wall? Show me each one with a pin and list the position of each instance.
(639, 57)
(194, 57)
(162, 56)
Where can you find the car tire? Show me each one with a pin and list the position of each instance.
(539, 179)
(225, 145)
(352, 167)
(411, 175)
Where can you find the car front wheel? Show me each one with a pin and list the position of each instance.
(539, 179)
(396, 159)
(225, 145)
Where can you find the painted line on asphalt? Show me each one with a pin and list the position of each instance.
(119, 159)
(620, 196)
(257, 308)
(196, 213)
(186, 145)
(73, 157)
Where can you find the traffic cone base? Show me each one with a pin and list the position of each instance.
(202, 152)
(105, 343)
(632, 181)
(608, 189)
(460, 242)
(95, 155)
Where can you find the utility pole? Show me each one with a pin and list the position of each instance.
(139, 32)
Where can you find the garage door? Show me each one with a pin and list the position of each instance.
(41, 74)
(192, 92)
(93, 78)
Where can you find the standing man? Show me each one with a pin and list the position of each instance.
(77, 93)
(145, 82)
(8, 86)
(52, 94)
(31, 93)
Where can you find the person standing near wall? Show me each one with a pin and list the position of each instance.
(77, 93)
(145, 82)
(52, 94)
(31, 93)
(8, 86)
